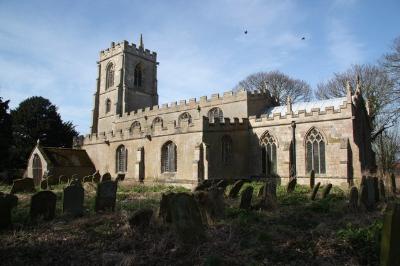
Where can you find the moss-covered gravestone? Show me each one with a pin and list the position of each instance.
(23, 185)
(233, 193)
(43, 204)
(326, 190)
(245, 198)
(73, 197)
(106, 177)
(315, 191)
(7, 202)
(181, 211)
(390, 242)
(106, 196)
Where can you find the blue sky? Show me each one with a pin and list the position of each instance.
(50, 48)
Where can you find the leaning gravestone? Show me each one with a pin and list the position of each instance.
(326, 190)
(291, 185)
(96, 177)
(312, 179)
(43, 204)
(353, 198)
(106, 177)
(140, 219)
(390, 242)
(73, 200)
(7, 202)
(106, 196)
(245, 198)
(181, 211)
(315, 191)
(268, 198)
(23, 185)
(382, 190)
(261, 191)
(62, 179)
(233, 193)
(222, 184)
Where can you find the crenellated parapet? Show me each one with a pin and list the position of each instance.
(226, 125)
(124, 46)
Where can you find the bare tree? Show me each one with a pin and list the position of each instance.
(386, 146)
(377, 88)
(278, 84)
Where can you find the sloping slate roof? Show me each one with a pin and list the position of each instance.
(67, 157)
(321, 104)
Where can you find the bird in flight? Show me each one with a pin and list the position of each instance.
(245, 32)
(303, 38)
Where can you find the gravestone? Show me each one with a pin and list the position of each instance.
(363, 199)
(140, 219)
(96, 177)
(106, 177)
(268, 199)
(44, 185)
(203, 185)
(315, 191)
(390, 242)
(326, 190)
(7, 202)
(120, 177)
(371, 193)
(106, 196)
(393, 183)
(211, 204)
(73, 197)
(52, 180)
(43, 204)
(23, 185)
(261, 191)
(363, 180)
(233, 193)
(353, 198)
(312, 179)
(245, 198)
(291, 185)
(62, 179)
(181, 211)
(375, 183)
(222, 184)
(382, 190)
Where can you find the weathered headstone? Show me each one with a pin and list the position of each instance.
(43, 204)
(393, 183)
(52, 180)
(353, 198)
(44, 185)
(233, 193)
(88, 179)
(312, 179)
(375, 183)
(222, 184)
(371, 193)
(106, 196)
(211, 204)
(245, 198)
(203, 185)
(181, 211)
(363, 199)
(7, 202)
(315, 191)
(390, 242)
(326, 190)
(106, 177)
(268, 199)
(73, 197)
(96, 177)
(23, 185)
(291, 185)
(62, 179)
(382, 190)
(261, 191)
(141, 218)
(120, 177)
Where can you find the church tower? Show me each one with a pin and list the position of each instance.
(127, 81)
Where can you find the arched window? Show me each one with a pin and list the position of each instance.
(157, 121)
(185, 117)
(121, 159)
(168, 157)
(215, 114)
(110, 76)
(315, 152)
(37, 169)
(269, 161)
(226, 153)
(138, 76)
(108, 105)
(135, 127)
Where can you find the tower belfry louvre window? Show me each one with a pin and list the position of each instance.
(216, 114)
(315, 152)
(121, 159)
(168, 157)
(269, 159)
(110, 76)
(138, 76)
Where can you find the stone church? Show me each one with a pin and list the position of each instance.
(237, 134)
